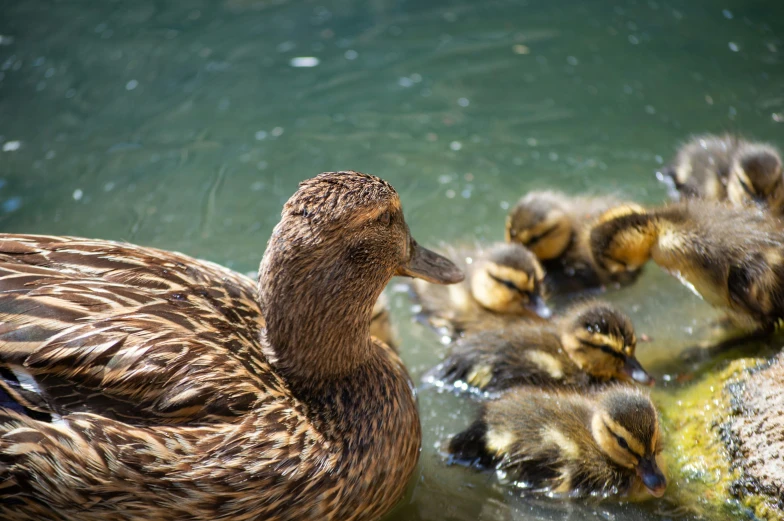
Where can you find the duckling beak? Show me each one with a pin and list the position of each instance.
(539, 307)
(651, 476)
(430, 266)
(633, 370)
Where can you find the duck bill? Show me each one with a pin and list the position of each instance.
(430, 266)
(651, 476)
(634, 371)
(538, 306)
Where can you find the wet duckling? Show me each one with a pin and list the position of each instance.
(732, 257)
(756, 177)
(592, 342)
(145, 388)
(504, 282)
(555, 227)
(701, 167)
(727, 167)
(569, 444)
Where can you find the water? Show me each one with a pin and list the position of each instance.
(185, 125)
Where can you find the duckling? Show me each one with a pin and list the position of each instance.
(569, 444)
(503, 283)
(756, 177)
(729, 256)
(592, 342)
(146, 389)
(727, 167)
(380, 323)
(555, 226)
(701, 167)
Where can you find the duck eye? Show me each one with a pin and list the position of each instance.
(385, 218)
(622, 442)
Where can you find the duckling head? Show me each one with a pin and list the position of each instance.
(341, 238)
(625, 425)
(601, 341)
(622, 238)
(510, 280)
(756, 176)
(540, 224)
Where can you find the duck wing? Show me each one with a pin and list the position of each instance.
(131, 333)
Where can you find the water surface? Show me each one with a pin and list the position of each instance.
(185, 125)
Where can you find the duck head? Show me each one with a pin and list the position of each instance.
(341, 238)
(539, 223)
(756, 177)
(601, 341)
(626, 427)
(509, 279)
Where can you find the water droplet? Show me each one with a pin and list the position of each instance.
(78, 194)
(633, 39)
(727, 14)
(463, 102)
(11, 146)
(521, 49)
(304, 61)
(260, 135)
(131, 85)
(351, 54)
(455, 145)
(277, 131)
(571, 60)
(734, 47)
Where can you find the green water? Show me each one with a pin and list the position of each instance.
(183, 125)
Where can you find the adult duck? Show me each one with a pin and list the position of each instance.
(140, 387)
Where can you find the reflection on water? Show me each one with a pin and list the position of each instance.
(186, 124)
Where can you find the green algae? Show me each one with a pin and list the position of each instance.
(700, 471)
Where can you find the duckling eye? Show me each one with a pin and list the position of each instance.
(385, 218)
(509, 285)
(622, 442)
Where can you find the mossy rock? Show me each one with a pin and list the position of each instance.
(700, 447)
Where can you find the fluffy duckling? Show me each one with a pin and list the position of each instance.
(756, 177)
(592, 342)
(732, 257)
(555, 227)
(727, 167)
(569, 444)
(503, 283)
(146, 389)
(701, 167)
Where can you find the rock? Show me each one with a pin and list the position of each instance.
(755, 436)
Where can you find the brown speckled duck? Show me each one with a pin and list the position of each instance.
(504, 283)
(142, 388)
(556, 228)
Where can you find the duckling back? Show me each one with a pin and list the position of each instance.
(519, 354)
